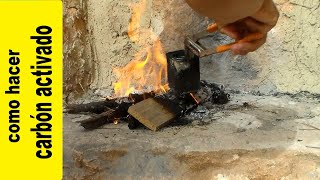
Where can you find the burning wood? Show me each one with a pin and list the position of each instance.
(152, 110)
(107, 111)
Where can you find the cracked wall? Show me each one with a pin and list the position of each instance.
(298, 33)
(96, 40)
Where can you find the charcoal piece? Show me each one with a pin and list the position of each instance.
(133, 123)
(122, 109)
(218, 95)
(136, 98)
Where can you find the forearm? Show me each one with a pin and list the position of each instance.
(267, 14)
(228, 11)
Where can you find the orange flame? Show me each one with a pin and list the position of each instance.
(148, 70)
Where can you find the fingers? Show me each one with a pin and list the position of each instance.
(232, 31)
(244, 27)
(236, 30)
(246, 47)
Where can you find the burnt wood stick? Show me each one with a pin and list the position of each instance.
(140, 97)
(99, 120)
(108, 116)
(94, 107)
(102, 106)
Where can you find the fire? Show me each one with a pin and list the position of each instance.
(148, 70)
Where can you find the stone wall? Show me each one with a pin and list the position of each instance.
(96, 40)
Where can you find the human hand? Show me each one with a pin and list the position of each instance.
(261, 22)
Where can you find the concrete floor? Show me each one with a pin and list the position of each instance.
(268, 138)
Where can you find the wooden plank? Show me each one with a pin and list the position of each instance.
(153, 114)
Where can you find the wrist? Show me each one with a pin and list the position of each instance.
(267, 14)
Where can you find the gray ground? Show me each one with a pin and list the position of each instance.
(267, 138)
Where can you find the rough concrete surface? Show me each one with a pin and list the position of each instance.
(96, 41)
(252, 137)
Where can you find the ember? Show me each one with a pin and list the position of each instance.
(195, 99)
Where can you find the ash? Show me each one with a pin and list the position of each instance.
(198, 102)
(211, 97)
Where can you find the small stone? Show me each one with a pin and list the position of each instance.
(246, 104)
(236, 157)
(241, 130)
